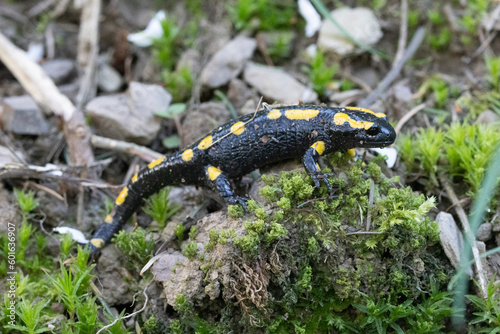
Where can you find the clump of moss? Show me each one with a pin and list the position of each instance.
(461, 150)
(329, 264)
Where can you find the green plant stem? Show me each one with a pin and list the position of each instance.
(478, 210)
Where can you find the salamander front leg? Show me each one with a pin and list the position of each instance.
(310, 161)
(219, 182)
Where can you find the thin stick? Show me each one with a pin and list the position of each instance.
(122, 146)
(45, 93)
(465, 225)
(418, 37)
(88, 49)
(403, 32)
(407, 117)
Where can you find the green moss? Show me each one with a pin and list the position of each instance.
(179, 231)
(235, 211)
(461, 150)
(312, 260)
(137, 245)
(190, 250)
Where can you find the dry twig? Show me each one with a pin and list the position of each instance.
(407, 117)
(46, 94)
(122, 146)
(394, 72)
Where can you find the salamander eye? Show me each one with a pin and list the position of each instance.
(373, 130)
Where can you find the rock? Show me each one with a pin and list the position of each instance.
(191, 59)
(451, 237)
(7, 157)
(402, 92)
(70, 90)
(368, 75)
(339, 97)
(60, 70)
(239, 93)
(130, 116)
(115, 279)
(22, 116)
(228, 62)
(186, 280)
(215, 35)
(484, 232)
(202, 120)
(487, 117)
(360, 23)
(277, 85)
(8, 208)
(108, 79)
(163, 267)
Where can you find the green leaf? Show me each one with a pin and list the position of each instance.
(173, 109)
(171, 142)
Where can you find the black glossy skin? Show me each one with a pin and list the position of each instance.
(263, 141)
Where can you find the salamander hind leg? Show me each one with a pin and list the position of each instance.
(219, 182)
(310, 161)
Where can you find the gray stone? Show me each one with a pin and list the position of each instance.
(22, 116)
(113, 277)
(402, 92)
(339, 97)
(487, 117)
(484, 232)
(191, 59)
(239, 93)
(360, 23)
(277, 85)
(60, 70)
(206, 117)
(368, 75)
(7, 157)
(109, 80)
(130, 116)
(163, 267)
(228, 62)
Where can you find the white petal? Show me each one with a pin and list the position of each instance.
(309, 13)
(153, 31)
(76, 234)
(390, 153)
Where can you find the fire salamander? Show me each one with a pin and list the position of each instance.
(254, 140)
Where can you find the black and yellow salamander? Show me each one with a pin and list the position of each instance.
(254, 140)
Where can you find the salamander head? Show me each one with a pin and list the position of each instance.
(361, 127)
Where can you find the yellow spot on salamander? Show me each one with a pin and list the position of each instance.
(352, 152)
(213, 172)
(156, 163)
(274, 114)
(340, 118)
(317, 166)
(187, 155)
(378, 114)
(108, 219)
(238, 128)
(301, 113)
(134, 178)
(97, 242)
(319, 146)
(121, 198)
(205, 143)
